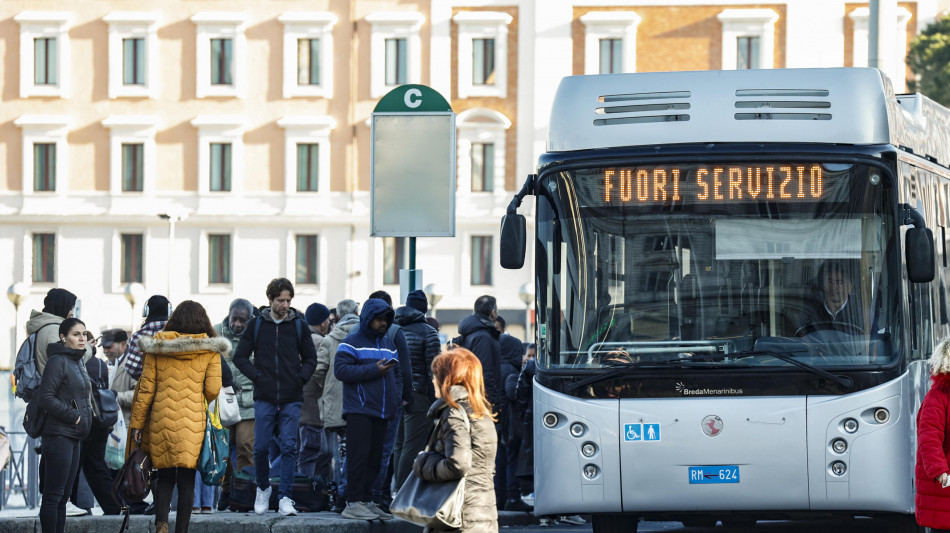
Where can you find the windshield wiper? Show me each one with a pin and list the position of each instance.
(629, 368)
(844, 381)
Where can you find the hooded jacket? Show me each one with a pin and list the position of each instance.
(331, 400)
(283, 360)
(481, 338)
(243, 386)
(932, 502)
(64, 393)
(45, 336)
(181, 372)
(365, 390)
(424, 345)
(463, 447)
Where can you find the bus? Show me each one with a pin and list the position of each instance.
(740, 277)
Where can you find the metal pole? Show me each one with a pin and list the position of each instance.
(171, 241)
(412, 264)
(882, 18)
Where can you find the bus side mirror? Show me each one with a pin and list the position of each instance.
(919, 255)
(512, 241)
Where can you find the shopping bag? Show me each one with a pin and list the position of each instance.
(115, 445)
(228, 405)
(214, 449)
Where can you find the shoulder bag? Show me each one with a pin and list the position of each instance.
(132, 484)
(228, 405)
(107, 407)
(34, 419)
(214, 448)
(433, 504)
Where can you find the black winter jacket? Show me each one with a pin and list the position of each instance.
(424, 345)
(64, 393)
(481, 338)
(283, 359)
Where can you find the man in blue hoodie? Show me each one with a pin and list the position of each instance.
(367, 363)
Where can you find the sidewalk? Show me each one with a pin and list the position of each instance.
(229, 522)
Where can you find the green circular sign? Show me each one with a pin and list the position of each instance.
(412, 99)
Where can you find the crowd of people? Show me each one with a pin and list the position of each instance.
(349, 394)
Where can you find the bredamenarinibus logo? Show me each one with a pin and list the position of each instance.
(685, 390)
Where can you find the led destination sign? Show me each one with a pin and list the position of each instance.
(699, 184)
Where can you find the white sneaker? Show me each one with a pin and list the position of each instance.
(72, 510)
(286, 507)
(573, 519)
(262, 500)
(374, 508)
(358, 511)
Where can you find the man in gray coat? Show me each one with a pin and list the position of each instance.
(331, 402)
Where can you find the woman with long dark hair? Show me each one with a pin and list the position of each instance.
(465, 439)
(64, 395)
(182, 370)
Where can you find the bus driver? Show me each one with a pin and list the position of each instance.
(836, 310)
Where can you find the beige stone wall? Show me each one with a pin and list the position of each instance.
(678, 37)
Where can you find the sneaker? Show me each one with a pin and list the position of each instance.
(262, 500)
(72, 510)
(573, 519)
(377, 508)
(286, 507)
(545, 522)
(516, 504)
(358, 511)
(206, 510)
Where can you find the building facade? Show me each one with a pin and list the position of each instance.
(199, 149)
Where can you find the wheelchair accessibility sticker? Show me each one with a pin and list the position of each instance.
(641, 432)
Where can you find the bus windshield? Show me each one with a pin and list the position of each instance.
(718, 264)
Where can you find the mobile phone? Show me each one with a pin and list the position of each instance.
(391, 362)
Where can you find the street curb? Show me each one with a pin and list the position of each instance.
(230, 522)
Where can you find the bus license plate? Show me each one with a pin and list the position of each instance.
(700, 475)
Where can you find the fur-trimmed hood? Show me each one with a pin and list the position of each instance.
(940, 359)
(181, 345)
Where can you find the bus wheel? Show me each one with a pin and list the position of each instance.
(615, 523)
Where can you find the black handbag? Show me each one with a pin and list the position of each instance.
(34, 418)
(433, 504)
(107, 406)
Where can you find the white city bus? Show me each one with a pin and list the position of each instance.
(740, 276)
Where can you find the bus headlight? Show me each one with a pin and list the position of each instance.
(550, 420)
(839, 445)
(578, 429)
(850, 425)
(881, 415)
(838, 468)
(590, 471)
(588, 449)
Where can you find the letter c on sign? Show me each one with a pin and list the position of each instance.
(413, 98)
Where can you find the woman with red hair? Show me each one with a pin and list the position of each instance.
(465, 439)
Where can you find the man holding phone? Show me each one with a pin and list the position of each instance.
(367, 364)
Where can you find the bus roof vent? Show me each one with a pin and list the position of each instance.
(642, 108)
(783, 104)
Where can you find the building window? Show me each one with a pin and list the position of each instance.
(133, 61)
(610, 41)
(307, 259)
(748, 38)
(394, 259)
(222, 54)
(483, 167)
(220, 153)
(611, 56)
(45, 64)
(747, 53)
(308, 53)
(220, 167)
(395, 50)
(482, 53)
(395, 62)
(44, 53)
(481, 260)
(133, 167)
(44, 167)
(44, 257)
(132, 257)
(219, 259)
(308, 167)
(133, 47)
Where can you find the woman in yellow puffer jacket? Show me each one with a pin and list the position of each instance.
(182, 369)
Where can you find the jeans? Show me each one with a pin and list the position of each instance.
(313, 457)
(284, 418)
(415, 430)
(381, 488)
(204, 494)
(168, 478)
(336, 443)
(62, 465)
(365, 437)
